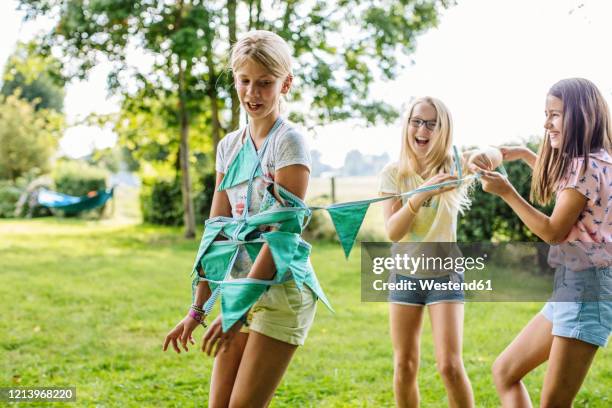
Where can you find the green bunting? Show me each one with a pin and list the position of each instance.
(241, 167)
(253, 249)
(218, 260)
(210, 233)
(290, 252)
(283, 246)
(237, 299)
(347, 220)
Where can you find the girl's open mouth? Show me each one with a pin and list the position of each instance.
(253, 106)
(421, 141)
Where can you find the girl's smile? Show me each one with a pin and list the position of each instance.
(420, 134)
(258, 90)
(554, 121)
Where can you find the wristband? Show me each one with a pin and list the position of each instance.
(197, 316)
(197, 308)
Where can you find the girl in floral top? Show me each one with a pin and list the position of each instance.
(574, 166)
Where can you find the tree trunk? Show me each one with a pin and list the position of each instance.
(188, 213)
(258, 17)
(231, 26)
(250, 15)
(213, 96)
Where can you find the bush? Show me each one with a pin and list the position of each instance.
(491, 218)
(161, 202)
(321, 227)
(202, 200)
(9, 195)
(78, 178)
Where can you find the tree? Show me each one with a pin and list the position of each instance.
(37, 76)
(28, 137)
(337, 46)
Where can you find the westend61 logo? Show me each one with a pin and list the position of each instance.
(423, 265)
(417, 272)
(410, 264)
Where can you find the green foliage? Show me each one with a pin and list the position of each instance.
(9, 195)
(37, 76)
(490, 218)
(161, 202)
(204, 196)
(28, 138)
(338, 69)
(78, 178)
(187, 84)
(147, 127)
(109, 158)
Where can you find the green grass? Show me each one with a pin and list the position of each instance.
(88, 303)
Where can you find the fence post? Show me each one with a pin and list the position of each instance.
(333, 190)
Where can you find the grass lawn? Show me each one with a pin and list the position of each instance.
(88, 303)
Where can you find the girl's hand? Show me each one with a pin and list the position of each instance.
(181, 332)
(214, 335)
(438, 178)
(511, 153)
(479, 161)
(495, 183)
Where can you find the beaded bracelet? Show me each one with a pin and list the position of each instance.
(198, 316)
(197, 308)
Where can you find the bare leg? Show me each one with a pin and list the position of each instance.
(224, 372)
(527, 351)
(263, 365)
(568, 365)
(406, 322)
(447, 327)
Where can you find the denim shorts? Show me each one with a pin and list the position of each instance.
(581, 306)
(420, 294)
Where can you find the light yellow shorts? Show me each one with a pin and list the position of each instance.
(284, 313)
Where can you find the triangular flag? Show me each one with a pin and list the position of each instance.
(283, 246)
(241, 168)
(210, 233)
(253, 249)
(237, 299)
(348, 219)
(218, 260)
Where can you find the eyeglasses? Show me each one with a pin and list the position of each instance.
(417, 123)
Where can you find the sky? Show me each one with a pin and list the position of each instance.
(490, 61)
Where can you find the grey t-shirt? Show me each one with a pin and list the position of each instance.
(286, 147)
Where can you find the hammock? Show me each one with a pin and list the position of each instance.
(71, 204)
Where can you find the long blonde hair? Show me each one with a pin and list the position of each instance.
(440, 157)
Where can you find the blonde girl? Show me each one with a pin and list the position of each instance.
(426, 158)
(573, 167)
(250, 362)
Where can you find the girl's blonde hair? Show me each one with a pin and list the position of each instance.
(440, 157)
(587, 128)
(265, 48)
